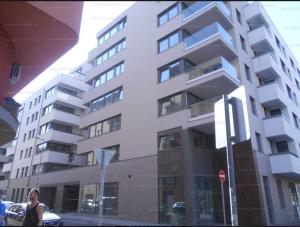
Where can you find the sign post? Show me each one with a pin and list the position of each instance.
(103, 158)
(231, 126)
(222, 178)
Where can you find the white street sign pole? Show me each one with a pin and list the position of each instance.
(103, 158)
(102, 180)
(230, 166)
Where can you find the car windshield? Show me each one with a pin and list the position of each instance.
(8, 205)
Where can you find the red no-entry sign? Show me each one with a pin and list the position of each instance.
(222, 176)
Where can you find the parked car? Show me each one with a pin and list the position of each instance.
(16, 213)
(8, 204)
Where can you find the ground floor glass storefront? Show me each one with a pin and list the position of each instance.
(90, 198)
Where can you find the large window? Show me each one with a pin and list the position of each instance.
(258, 142)
(169, 41)
(282, 146)
(118, 47)
(55, 126)
(112, 31)
(106, 126)
(90, 198)
(169, 141)
(68, 91)
(53, 147)
(168, 14)
(91, 159)
(109, 74)
(49, 92)
(169, 71)
(107, 99)
(47, 109)
(171, 104)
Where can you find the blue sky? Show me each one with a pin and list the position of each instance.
(285, 15)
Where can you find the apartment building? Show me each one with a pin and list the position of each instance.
(156, 73)
(46, 143)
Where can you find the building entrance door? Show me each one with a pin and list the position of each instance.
(70, 198)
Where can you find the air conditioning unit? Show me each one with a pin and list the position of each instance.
(15, 74)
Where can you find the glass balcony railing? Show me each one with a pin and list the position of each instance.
(205, 33)
(210, 66)
(199, 5)
(203, 107)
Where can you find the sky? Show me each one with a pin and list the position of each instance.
(96, 15)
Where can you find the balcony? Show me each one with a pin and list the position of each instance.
(56, 157)
(201, 115)
(256, 15)
(64, 98)
(212, 78)
(279, 128)
(58, 136)
(60, 116)
(8, 126)
(7, 167)
(209, 42)
(272, 95)
(261, 40)
(206, 12)
(266, 66)
(285, 165)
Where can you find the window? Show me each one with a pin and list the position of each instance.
(253, 105)
(30, 105)
(248, 73)
(91, 159)
(69, 91)
(238, 16)
(114, 30)
(22, 172)
(109, 98)
(170, 141)
(26, 153)
(243, 43)
(29, 135)
(277, 42)
(29, 153)
(282, 146)
(106, 126)
(295, 98)
(168, 14)
(64, 148)
(55, 126)
(297, 84)
(39, 99)
(275, 112)
(170, 70)
(292, 63)
(47, 109)
(118, 47)
(35, 101)
(36, 116)
(21, 154)
(109, 74)
(171, 104)
(26, 171)
(283, 66)
(258, 142)
(27, 121)
(268, 197)
(283, 50)
(295, 117)
(289, 92)
(33, 133)
(116, 155)
(32, 117)
(50, 92)
(24, 137)
(17, 173)
(168, 42)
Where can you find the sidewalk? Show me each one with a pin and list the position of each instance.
(93, 220)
